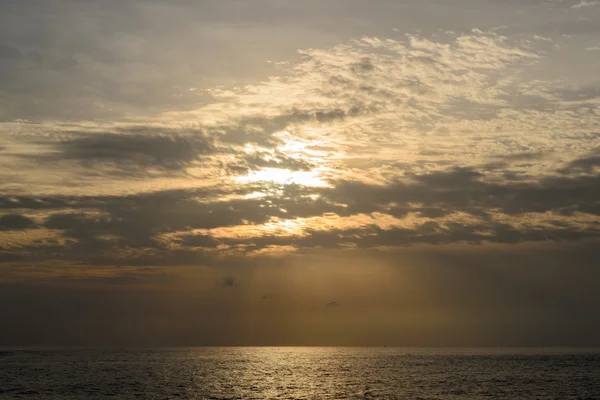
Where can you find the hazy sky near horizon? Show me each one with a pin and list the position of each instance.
(336, 172)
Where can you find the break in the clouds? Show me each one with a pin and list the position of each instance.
(143, 139)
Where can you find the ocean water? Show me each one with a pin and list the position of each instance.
(298, 373)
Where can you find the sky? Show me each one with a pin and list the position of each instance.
(277, 172)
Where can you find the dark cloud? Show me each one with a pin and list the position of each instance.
(464, 189)
(10, 222)
(137, 220)
(260, 129)
(133, 151)
(327, 116)
(333, 304)
(144, 150)
(128, 279)
(107, 229)
(521, 156)
(427, 233)
(9, 52)
(449, 179)
(198, 241)
(228, 282)
(579, 94)
(571, 27)
(365, 65)
(586, 164)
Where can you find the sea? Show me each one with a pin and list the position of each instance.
(299, 373)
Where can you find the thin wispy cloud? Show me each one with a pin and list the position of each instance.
(584, 4)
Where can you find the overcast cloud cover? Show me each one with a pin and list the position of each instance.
(315, 172)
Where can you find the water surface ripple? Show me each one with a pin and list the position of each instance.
(298, 373)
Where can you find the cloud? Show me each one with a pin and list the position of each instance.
(523, 156)
(584, 4)
(198, 241)
(229, 282)
(333, 304)
(132, 152)
(586, 164)
(389, 142)
(411, 91)
(274, 159)
(9, 52)
(10, 222)
(443, 207)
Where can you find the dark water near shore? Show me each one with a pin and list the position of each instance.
(299, 373)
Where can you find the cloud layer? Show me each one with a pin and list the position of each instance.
(376, 142)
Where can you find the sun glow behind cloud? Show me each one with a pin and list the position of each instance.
(284, 177)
